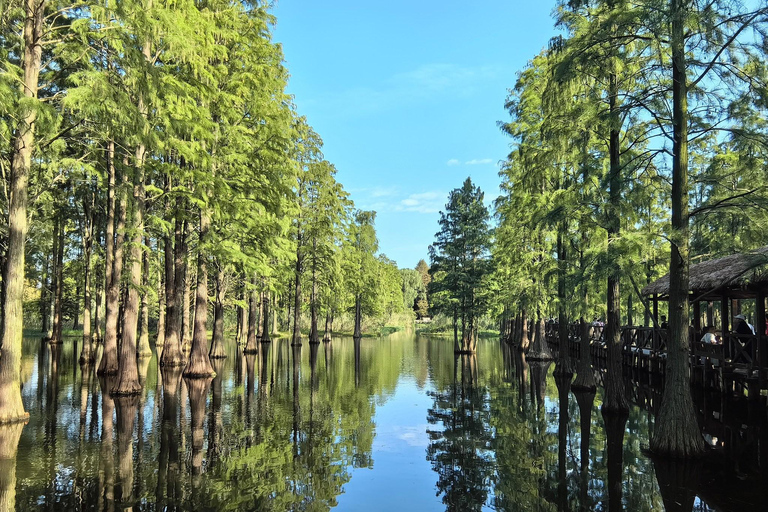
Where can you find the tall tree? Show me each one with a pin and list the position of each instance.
(461, 251)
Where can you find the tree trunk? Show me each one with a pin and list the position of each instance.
(160, 341)
(11, 406)
(260, 325)
(99, 310)
(86, 353)
(186, 282)
(585, 377)
(172, 355)
(327, 333)
(45, 299)
(217, 345)
(113, 266)
(144, 350)
(456, 346)
(525, 341)
(296, 338)
(676, 431)
(251, 345)
(615, 399)
(358, 317)
(58, 279)
(265, 319)
(563, 367)
(539, 351)
(76, 315)
(199, 365)
(128, 383)
(314, 337)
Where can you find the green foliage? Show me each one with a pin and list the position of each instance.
(460, 262)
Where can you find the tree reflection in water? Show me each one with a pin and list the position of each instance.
(284, 430)
(459, 445)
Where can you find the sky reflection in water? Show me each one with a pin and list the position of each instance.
(406, 428)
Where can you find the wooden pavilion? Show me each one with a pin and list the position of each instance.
(721, 289)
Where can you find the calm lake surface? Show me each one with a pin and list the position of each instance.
(395, 423)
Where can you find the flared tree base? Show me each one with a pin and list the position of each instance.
(13, 418)
(125, 392)
(539, 356)
(199, 375)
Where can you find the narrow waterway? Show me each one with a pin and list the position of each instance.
(395, 423)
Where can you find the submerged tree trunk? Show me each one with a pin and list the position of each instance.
(199, 365)
(144, 350)
(160, 341)
(58, 279)
(676, 431)
(251, 345)
(539, 351)
(113, 266)
(564, 358)
(265, 319)
(525, 341)
(128, 383)
(174, 262)
(296, 338)
(615, 399)
(98, 310)
(327, 333)
(86, 353)
(358, 317)
(186, 283)
(260, 325)
(45, 298)
(217, 344)
(314, 337)
(11, 406)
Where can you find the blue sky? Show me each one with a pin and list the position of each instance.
(406, 96)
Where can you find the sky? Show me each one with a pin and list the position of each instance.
(406, 96)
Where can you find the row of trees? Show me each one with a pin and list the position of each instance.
(146, 146)
(639, 144)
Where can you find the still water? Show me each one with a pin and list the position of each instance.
(383, 424)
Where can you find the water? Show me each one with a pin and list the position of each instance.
(390, 424)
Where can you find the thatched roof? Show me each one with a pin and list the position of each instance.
(737, 272)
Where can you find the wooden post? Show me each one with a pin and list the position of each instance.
(725, 320)
(710, 313)
(760, 331)
(696, 319)
(656, 323)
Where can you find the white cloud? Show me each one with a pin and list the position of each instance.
(482, 161)
(425, 202)
(383, 191)
(452, 162)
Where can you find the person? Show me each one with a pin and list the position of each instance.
(709, 335)
(742, 327)
(664, 324)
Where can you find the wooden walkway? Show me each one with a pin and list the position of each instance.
(739, 364)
